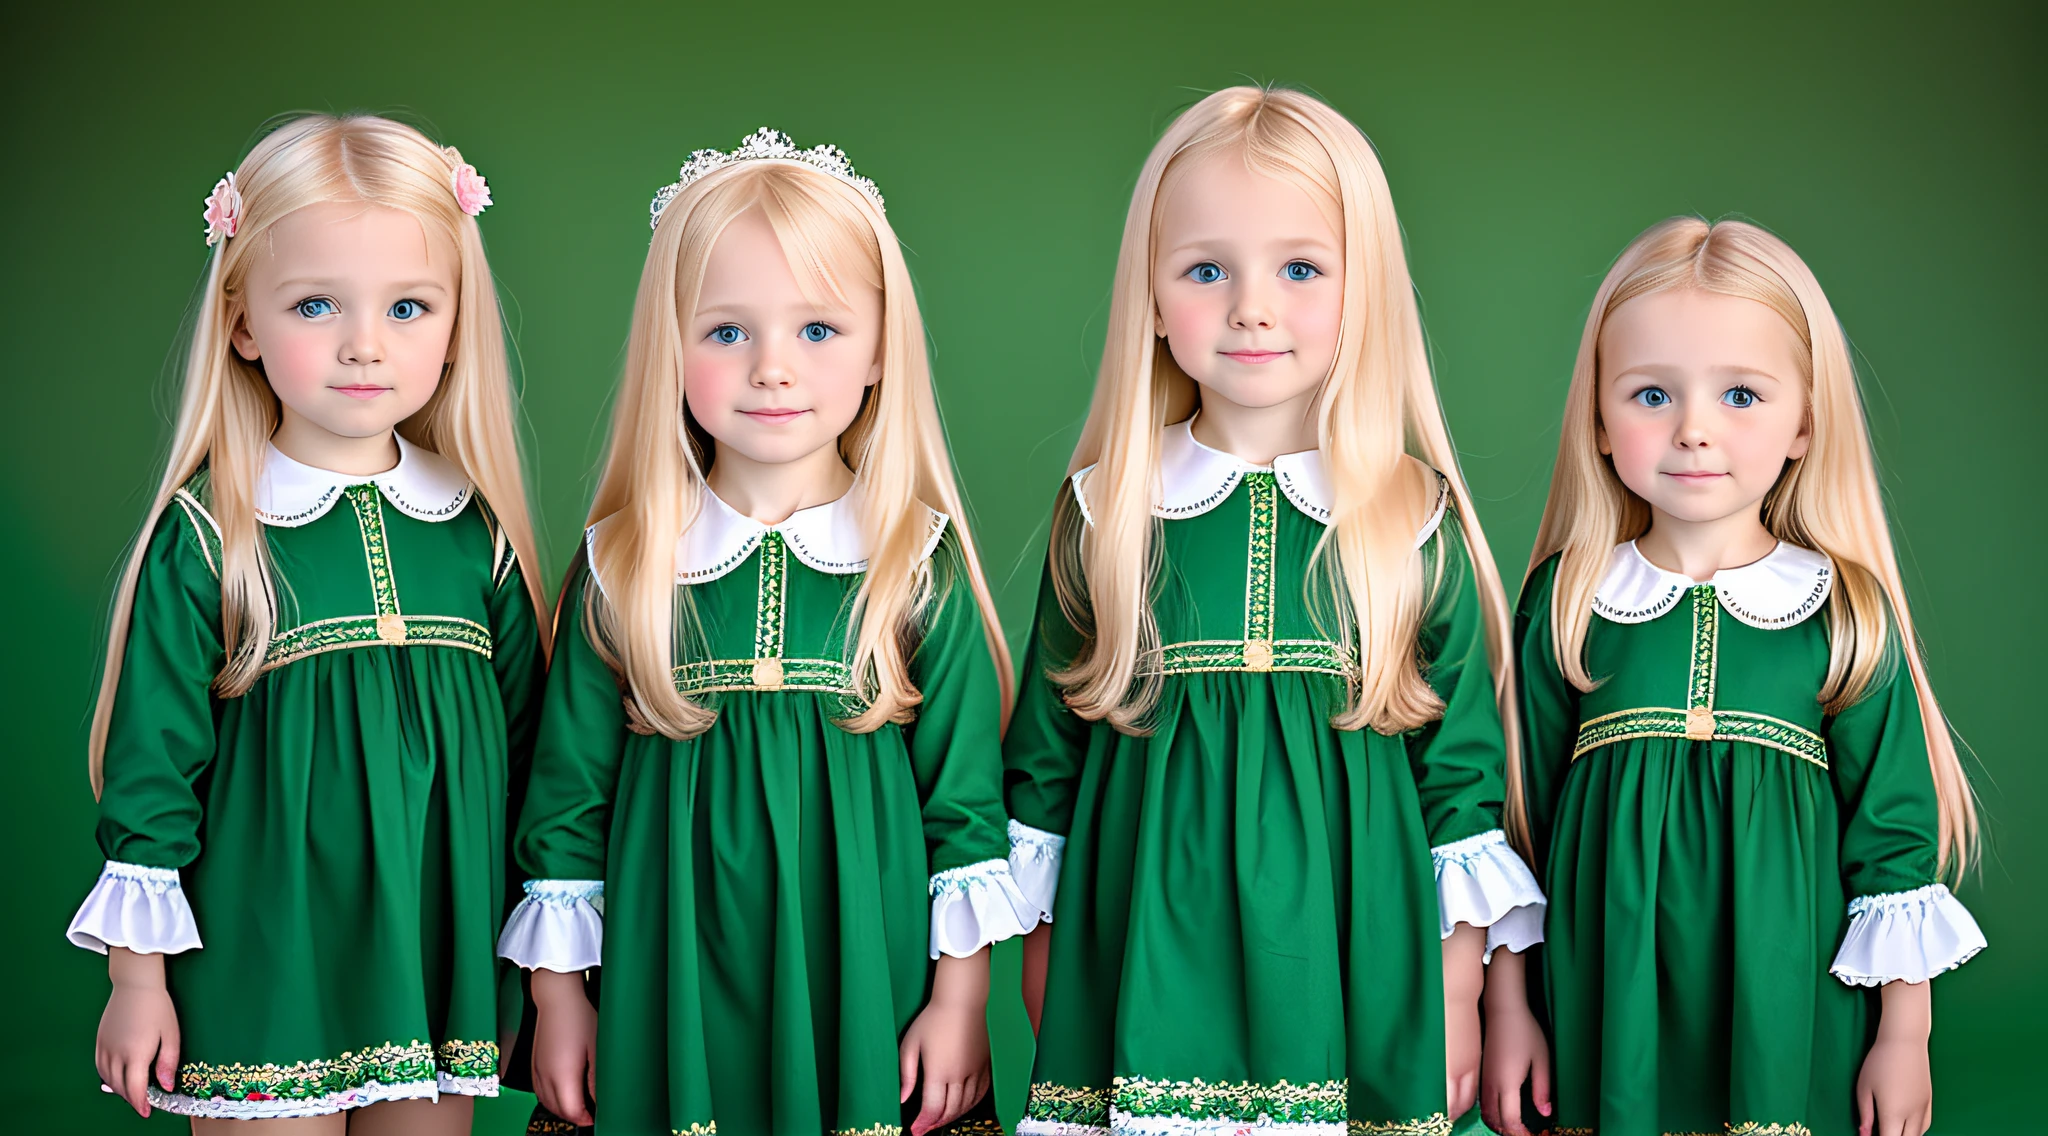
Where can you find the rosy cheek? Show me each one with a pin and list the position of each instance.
(1636, 450)
(711, 383)
(296, 360)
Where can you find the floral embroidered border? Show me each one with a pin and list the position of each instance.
(387, 1064)
(1062, 1109)
(1725, 726)
(343, 632)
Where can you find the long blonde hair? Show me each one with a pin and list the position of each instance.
(227, 411)
(1827, 500)
(1377, 406)
(653, 487)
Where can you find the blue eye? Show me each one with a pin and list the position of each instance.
(405, 310)
(1740, 398)
(818, 332)
(1207, 272)
(728, 334)
(315, 308)
(1301, 270)
(1653, 397)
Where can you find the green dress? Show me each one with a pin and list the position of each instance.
(1712, 837)
(337, 834)
(775, 889)
(1249, 902)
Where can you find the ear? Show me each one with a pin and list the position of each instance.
(243, 339)
(875, 373)
(1802, 441)
(1158, 323)
(1600, 436)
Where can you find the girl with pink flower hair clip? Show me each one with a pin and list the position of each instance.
(324, 662)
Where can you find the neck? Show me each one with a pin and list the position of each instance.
(1257, 434)
(303, 442)
(1698, 549)
(770, 491)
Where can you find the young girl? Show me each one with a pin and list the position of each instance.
(1259, 750)
(323, 659)
(770, 741)
(1736, 764)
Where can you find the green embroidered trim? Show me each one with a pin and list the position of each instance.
(347, 631)
(1067, 1104)
(1435, 1124)
(1706, 640)
(768, 597)
(387, 1064)
(369, 508)
(1230, 655)
(1258, 577)
(822, 676)
(1248, 1102)
(1722, 725)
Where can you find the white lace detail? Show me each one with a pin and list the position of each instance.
(1030, 1127)
(1481, 881)
(140, 908)
(1906, 936)
(1781, 590)
(558, 926)
(423, 485)
(975, 905)
(372, 1093)
(1035, 865)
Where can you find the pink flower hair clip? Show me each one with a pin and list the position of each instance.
(223, 211)
(472, 192)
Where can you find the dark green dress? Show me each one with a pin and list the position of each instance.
(1713, 837)
(775, 889)
(337, 834)
(1250, 902)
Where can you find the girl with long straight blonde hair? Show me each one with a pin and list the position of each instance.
(1738, 772)
(324, 661)
(1259, 754)
(770, 741)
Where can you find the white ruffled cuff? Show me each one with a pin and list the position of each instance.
(976, 905)
(1483, 882)
(1906, 935)
(142, 909)
(558, 926)
(1035, 865)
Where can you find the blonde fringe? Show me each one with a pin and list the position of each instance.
(653, 485)
(1829, 500)
(227, 412)
(1378, 407)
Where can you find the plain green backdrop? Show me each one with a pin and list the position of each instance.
(1898, 147)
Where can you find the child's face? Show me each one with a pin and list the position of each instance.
(1701, 401)
(1248, 279)
(350, 308)
(769, 374)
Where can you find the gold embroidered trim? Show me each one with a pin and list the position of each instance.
(1319, 1102)
(388, 1064)
(710, 1129)
(818, 676)
(1746, 1128)
(543, 1124)
(1706, 641)
(343, 632)
(1721, 726)
(769, 599)
(1076, 1105)
(1234, 655)
(1435, 1124)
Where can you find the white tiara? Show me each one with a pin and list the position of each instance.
(763, 144)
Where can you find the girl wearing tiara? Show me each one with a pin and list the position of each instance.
(1738, 772)
(1258, 750)
(769, 743)
(324, 662)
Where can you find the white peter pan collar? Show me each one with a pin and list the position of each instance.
(1783, 589)
(423, 484)
(826, 537)
(1194, 478)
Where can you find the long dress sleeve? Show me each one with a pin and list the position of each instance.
(561, 837)
(1548, 705)
(956, 757)
(160, 739)
(1043, 752)
(1459, 762)
(1903, 922)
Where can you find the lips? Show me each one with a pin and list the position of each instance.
(774, 416)
(1253, 357)
(361, 391)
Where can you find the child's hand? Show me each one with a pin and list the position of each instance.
(139, 1031)
(1895, 1090)
(949, 1042)
(1516, 1052)
(1464, 976)
(564, 1046)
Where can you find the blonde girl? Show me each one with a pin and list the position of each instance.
(770, 738)
(324, 661)
(1259, 755)
(1745, 790)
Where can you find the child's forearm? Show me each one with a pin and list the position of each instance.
(962, 982)
(1464, 963)
(1507, 982)
(552, 987)
(132, 970)
(1908, 1011)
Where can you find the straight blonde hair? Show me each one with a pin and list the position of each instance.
(652, 488)
(1377, 414)
(1828, 500)
(227, 412)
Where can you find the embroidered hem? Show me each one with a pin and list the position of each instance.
(1202, 1108)
(321, 1087)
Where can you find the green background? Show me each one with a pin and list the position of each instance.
(1899, 148)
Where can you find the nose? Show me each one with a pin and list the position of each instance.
(362, 342)
(771, 368)
(1693, 432)
(1251, 307)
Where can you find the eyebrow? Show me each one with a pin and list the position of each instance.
(402, 285)
(1664, 372)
